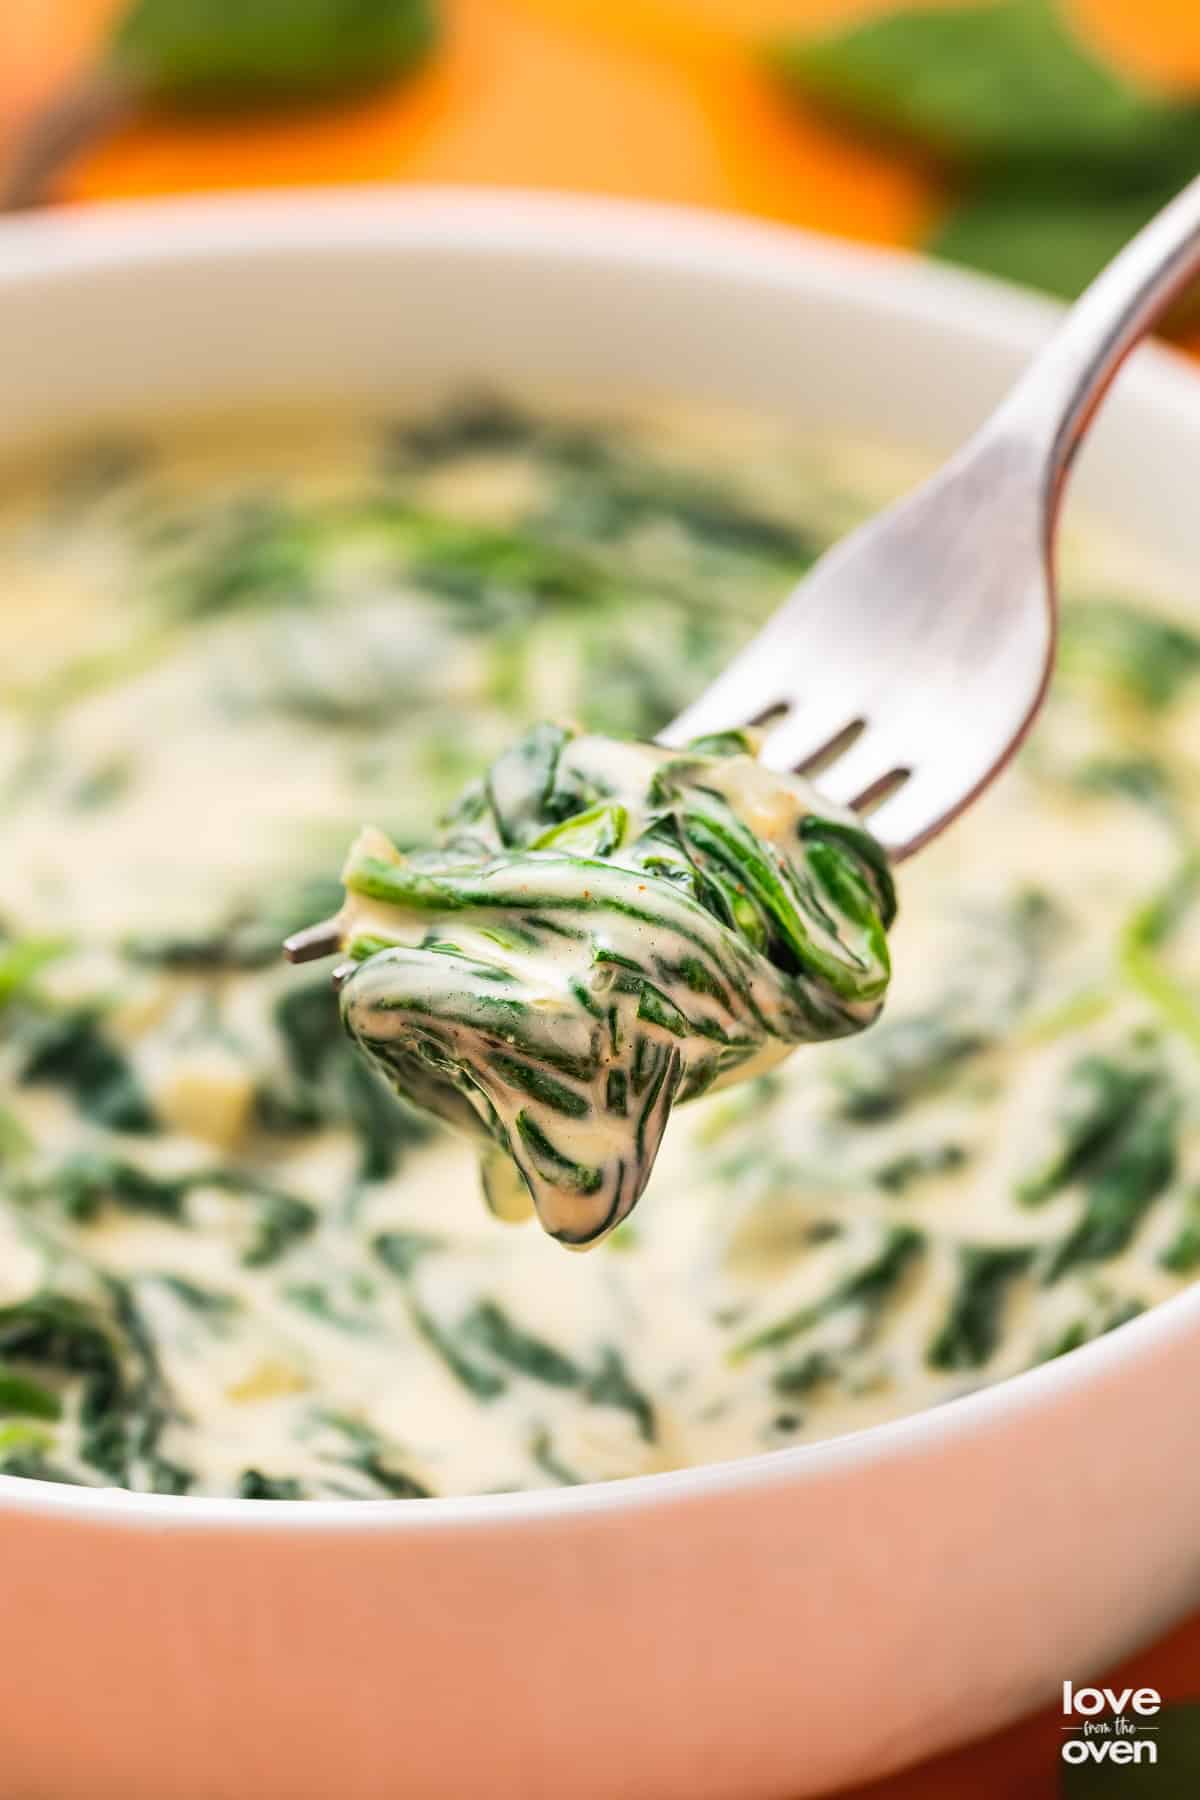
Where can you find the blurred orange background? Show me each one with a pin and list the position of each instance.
(659, 99)
(656, 98)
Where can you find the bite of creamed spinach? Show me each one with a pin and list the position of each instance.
(232, 1262)
(608, 927)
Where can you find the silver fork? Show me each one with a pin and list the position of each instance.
(905, 669)
(907, 666)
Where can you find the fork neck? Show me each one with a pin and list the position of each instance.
(1056, 399)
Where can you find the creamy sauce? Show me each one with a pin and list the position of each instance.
(231, 1262)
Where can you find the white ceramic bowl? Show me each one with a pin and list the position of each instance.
(768, 1628)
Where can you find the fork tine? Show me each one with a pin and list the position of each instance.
(871, 758)
(741, 693)
(868, 803)
(915, 811)
(808, 731)
(314, 941)
(837, 746)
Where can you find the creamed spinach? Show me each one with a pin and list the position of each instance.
(232, 1261)
(606, 929)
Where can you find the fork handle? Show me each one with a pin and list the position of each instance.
(1059, 393)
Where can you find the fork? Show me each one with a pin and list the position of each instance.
(907, 666)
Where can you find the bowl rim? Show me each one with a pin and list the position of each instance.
(75, 241)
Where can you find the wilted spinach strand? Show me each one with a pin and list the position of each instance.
(867, 1288)
(69, 1049)
(1104, 1317)
(608, 928)
(974, 1323)
(1118, 1129)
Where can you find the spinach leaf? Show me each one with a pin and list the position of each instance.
(385, 1127)
(263, 555)
(497, 576)
(1099, 1098)
(123, 1404)
(869, 1287)
(308, 1022)
(1123, 1178)
(84, 1183)
(905, 1060)
(31, 1463)
(1117, 1141)
(375, 1458)
(971, 1329)
(123, 1439)
(615, 494)
(1142, 779)
(236, 947)
(243, 938)
(210, 1303)
(1104, 1317)
(448, 1344)
(489, 1326)
(400, 1251)
(87, 1181)
(610, 1384)
(471, 424)
(993, 966)
(806, 1373)
(278, 1219)
(22, 961)
(321, 1303)
(15, 1141)
(1143, 942)
(1137, 654)
(910, 1166)
(21, 1394)
(331, 1083)
(103, 784)
(254, 1485)
(1182, 1254)
(550, 1463)
(372, 1456)
(397, 1484)
(69, 1050)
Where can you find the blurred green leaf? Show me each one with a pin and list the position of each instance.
(228, 53)
(218, 56)
(1023, 229)
(1059, 158)
(981, 83)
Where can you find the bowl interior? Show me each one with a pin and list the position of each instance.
(209, 307)
(200, 306)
